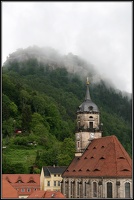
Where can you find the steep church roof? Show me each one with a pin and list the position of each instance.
(88, 105)
(104, 157)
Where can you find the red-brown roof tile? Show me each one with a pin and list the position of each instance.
(13, 178)
(29, 181)
(8, 191)
(37, 194)
(46, 194)
(104, 157)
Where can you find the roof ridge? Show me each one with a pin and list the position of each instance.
(125, 153)
(115, 138)
(48, 170)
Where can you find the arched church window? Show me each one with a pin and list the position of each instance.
(85, 189)
(127, 190)
(78, 192)
(109, 190)
(71, 189)
(94, 189)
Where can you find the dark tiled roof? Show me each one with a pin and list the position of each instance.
(88, 105)
(53, 170)
(104, 157)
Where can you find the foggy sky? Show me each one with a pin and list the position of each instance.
(100, 32)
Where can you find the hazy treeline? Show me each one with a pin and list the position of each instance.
(40, 98)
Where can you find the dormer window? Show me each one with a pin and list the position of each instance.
(125, 170)
(90, 108)
(31, 180)
(121, 157)
(96, 170)
(102, 158)
(19, 180)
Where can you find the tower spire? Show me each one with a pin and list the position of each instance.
(87, 97)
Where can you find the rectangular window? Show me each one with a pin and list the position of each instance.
(59, 175)
(58, 183)
(54, 183)
(91, 125)
(22, 190)
(54, 174)
(28, 189)
(48, 183)
(35, 189)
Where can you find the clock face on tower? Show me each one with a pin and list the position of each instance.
(92, 135)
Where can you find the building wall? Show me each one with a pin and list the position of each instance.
(82, 137)
(83, 187)
(57, 178)
(84, 119)
(23, 196)
(42, 180)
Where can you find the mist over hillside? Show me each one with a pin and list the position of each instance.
(73, 63)
(41, 91)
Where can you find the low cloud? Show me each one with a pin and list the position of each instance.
(99, 32)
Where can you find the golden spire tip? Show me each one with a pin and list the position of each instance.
(87, 81)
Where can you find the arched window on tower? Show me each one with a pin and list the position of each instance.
(90, 117)
(78, 144)
(109, 190)
(127, 190)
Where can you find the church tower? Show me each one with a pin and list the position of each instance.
(88, 123)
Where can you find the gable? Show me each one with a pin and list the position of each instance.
(7, 190)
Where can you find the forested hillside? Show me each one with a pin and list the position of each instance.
(40, 99)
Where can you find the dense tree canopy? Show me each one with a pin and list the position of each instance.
(42, 103)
